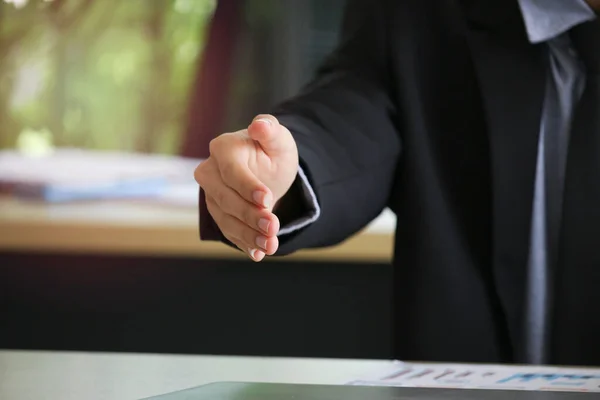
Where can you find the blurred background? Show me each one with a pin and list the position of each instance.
(144, 75)
(106, 108)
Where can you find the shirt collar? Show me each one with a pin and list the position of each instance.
(547, 19)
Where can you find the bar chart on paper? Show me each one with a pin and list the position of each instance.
(467, 376)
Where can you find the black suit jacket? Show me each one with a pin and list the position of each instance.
(433, 108)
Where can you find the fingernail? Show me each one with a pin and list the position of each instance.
(263, 224)
(258, 255)
(265, 120)
(261, 242)
(261, 198)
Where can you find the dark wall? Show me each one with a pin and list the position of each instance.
(102, 303)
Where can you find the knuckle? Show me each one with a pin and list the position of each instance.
(248, 216)
(220, 198)
(200, 173)
(215, 145)
(228, 172)
(249, 236)
(205, 172)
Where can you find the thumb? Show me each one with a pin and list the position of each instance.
(273, 137)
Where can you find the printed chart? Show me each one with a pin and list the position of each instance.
(474, 376)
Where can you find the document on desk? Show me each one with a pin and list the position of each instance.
(76, 174)
(480, 376)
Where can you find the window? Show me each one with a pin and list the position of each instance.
(116, 74)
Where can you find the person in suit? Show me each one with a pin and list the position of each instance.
(475, 121)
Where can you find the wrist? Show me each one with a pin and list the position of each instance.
(289, 207)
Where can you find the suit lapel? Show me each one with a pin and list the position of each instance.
(511, 75)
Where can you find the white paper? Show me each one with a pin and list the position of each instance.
(480, 376)
(77, 167)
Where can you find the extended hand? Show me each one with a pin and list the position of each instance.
(247, 172)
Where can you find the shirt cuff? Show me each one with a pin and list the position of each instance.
(311, 203)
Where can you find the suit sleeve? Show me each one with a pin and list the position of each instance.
(344, 125)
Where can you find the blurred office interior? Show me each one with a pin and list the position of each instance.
(106, 106)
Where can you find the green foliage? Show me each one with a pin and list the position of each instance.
(109, 74)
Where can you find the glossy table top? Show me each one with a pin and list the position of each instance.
(28, 375)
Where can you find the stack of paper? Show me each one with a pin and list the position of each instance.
(73, 174)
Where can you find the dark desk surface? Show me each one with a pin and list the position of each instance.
(254, 391)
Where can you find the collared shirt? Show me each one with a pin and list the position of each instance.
(547, 22)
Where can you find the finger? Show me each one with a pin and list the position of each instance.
(205, 171)
(210, 182)
(233, 227)
(210, 177)
(231, 160)
(200, 172)
(255, 255)
(272, 137)
(240, 178)
(233, 204)
(258, 218)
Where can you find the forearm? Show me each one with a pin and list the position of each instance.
(350, 191)
(345, 127)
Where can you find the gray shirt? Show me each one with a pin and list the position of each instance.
(547, 22)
